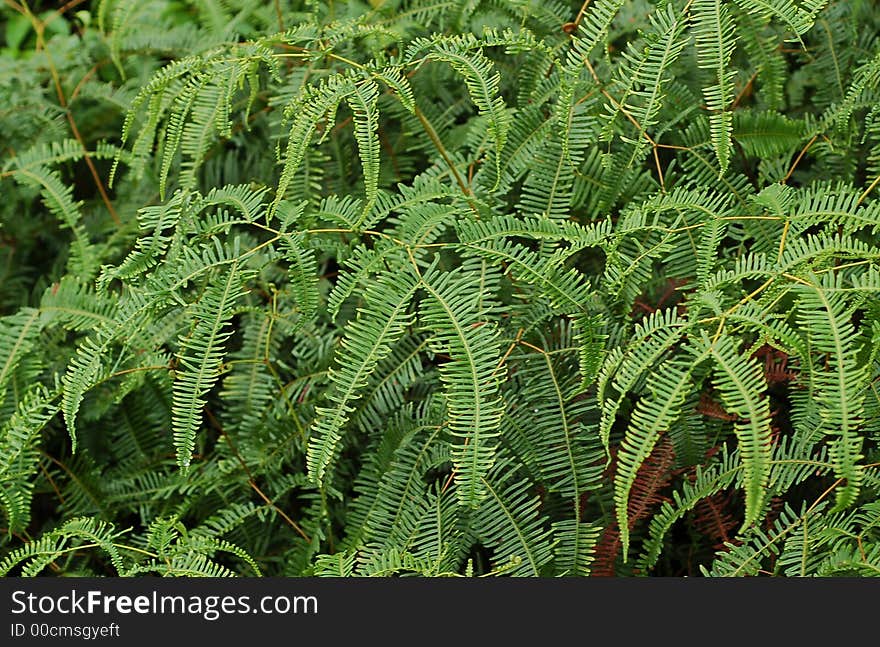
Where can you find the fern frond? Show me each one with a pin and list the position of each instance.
(644, 73)
(509, 521)
(483, 84)
(58, 198)
(18, 335)
(595, 23)
(303, 273)
(19, 439)
(840, 387)
(388, 488)
(794, 17)
(363, 100)
(622, 371)
(84, 371)
(706, 482)
(652, 416)
(36, 555)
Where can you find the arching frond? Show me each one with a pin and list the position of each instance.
(456, 319)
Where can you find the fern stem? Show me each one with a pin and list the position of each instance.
(67, 6)
(39, 27)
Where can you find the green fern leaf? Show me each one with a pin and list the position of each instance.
(716, 40)
(200, 358)
(19, 454)
(840, 388)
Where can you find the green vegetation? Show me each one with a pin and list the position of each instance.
(440, 287)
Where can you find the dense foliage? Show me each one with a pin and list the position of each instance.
(437, 287)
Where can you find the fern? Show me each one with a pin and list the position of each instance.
(474, 407)
(482, 83)
(509, 522)
(669, 389)
(200, 358)
(367, 341)
(467, 288)
(19, 440)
